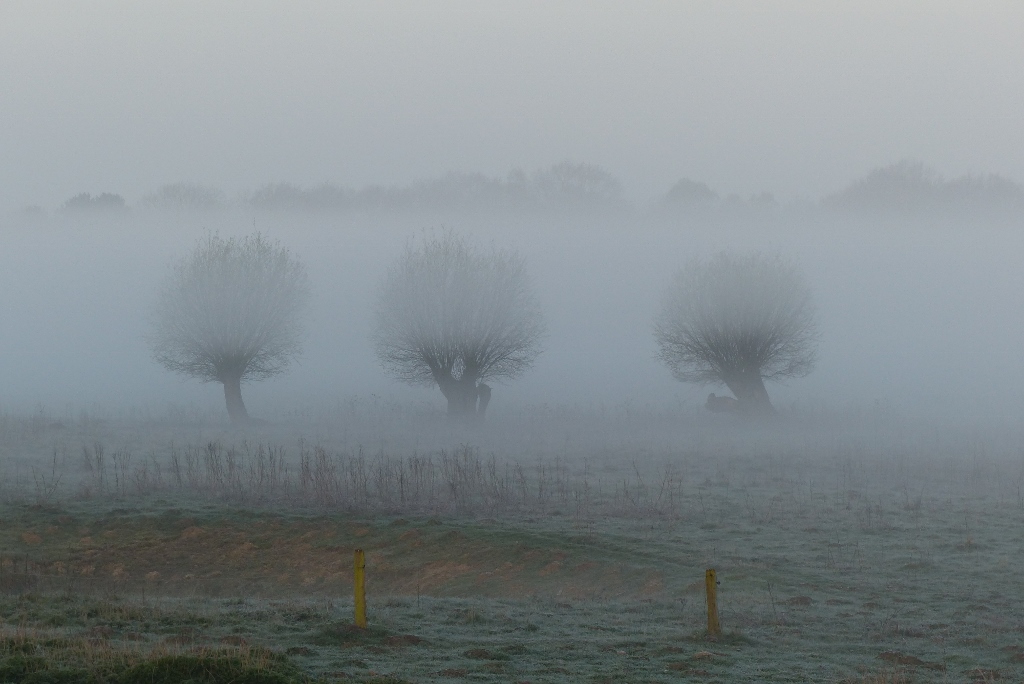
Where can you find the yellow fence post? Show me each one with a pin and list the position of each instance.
(711, 585)
(359, 586)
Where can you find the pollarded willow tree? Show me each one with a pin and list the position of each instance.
(738, 321)
(451, 315)
(230, 313)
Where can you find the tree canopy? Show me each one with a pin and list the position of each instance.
(230, 312)
(738, 320)
(453, 315)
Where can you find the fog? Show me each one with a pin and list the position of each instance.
(917, 299)
(919, 315)
(786, 97)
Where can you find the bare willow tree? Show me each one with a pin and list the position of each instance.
(229, 313)
(738, 321)
(454, 316)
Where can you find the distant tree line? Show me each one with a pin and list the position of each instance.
(565, 185)
(911, 186)
(906, 186)
(85, 202)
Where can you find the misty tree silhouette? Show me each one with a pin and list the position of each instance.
(738, 320)
(229, 313)
(453, 316)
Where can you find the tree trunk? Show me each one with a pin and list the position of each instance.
(461, 395)
(233, 398)
(751, 395)
(484, 394)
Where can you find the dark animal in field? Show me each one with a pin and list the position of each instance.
(717, 404)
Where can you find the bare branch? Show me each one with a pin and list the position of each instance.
(738, 321)
(448, 313)
(230, 309)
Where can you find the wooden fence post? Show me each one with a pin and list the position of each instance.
(359, 586)
(711, 585)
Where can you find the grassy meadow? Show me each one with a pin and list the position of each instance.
(574, 550)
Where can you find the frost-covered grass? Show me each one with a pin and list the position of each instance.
(878, 556)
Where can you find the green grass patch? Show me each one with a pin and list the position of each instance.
(26, 661)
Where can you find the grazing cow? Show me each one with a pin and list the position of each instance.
(721, 404)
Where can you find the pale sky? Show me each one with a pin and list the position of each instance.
(796, 98)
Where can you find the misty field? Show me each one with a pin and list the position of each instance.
(868, 550)
(551, 313)
(870, 533)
